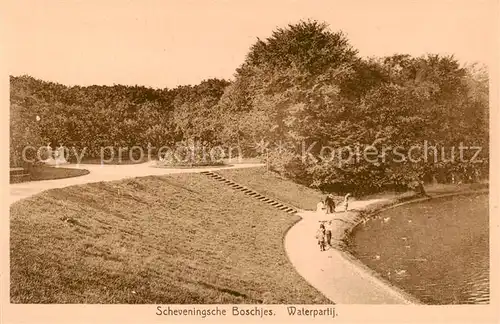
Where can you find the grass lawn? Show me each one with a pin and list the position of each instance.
(209, 166)
(114, 161)
(223, 163)
(442, 188)
(51, 173)
(155, 240)
(432, 190)
(169, 165)
(272, 185)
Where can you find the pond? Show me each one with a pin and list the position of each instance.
(436, 250)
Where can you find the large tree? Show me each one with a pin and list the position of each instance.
(296, 79)
(305, 86)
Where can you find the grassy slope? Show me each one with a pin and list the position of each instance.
(430, 189)
(273, 186)
(114, 161)
(178, 239)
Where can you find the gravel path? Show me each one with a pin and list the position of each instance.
(338, 277)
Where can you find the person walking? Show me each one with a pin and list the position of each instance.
(346, 201)
(332, 204)
(328, 204)
(321, 237)
(320, 206)
(328, 232)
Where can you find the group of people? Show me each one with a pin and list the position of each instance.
(324, 234)
(328, 204)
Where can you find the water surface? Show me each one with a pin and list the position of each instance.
(436, 250)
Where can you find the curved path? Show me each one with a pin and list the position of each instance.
(339, 277)
(100, 173)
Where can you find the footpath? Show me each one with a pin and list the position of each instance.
(339, 277)
(100, 173)
(332, 272)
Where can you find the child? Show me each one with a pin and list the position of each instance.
(320, 206)
(321, 237)
(329, 233)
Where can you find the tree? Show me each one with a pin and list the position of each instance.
(294, 78)
(24, 132)
(195, 110)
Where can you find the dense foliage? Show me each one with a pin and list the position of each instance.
(306, 92)
(299, 96)
(96, 117)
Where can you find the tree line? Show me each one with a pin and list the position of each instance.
(303, 87)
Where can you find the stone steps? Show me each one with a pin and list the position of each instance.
(252, 193)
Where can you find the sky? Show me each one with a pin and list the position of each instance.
(168, 43)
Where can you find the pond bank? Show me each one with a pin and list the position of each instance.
(333, 272)
(336, 272)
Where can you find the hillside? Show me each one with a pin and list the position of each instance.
(272, 185)
(170, 239)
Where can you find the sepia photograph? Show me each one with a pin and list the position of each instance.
(245, 159)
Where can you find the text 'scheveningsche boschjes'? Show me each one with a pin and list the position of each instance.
(250, 311)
